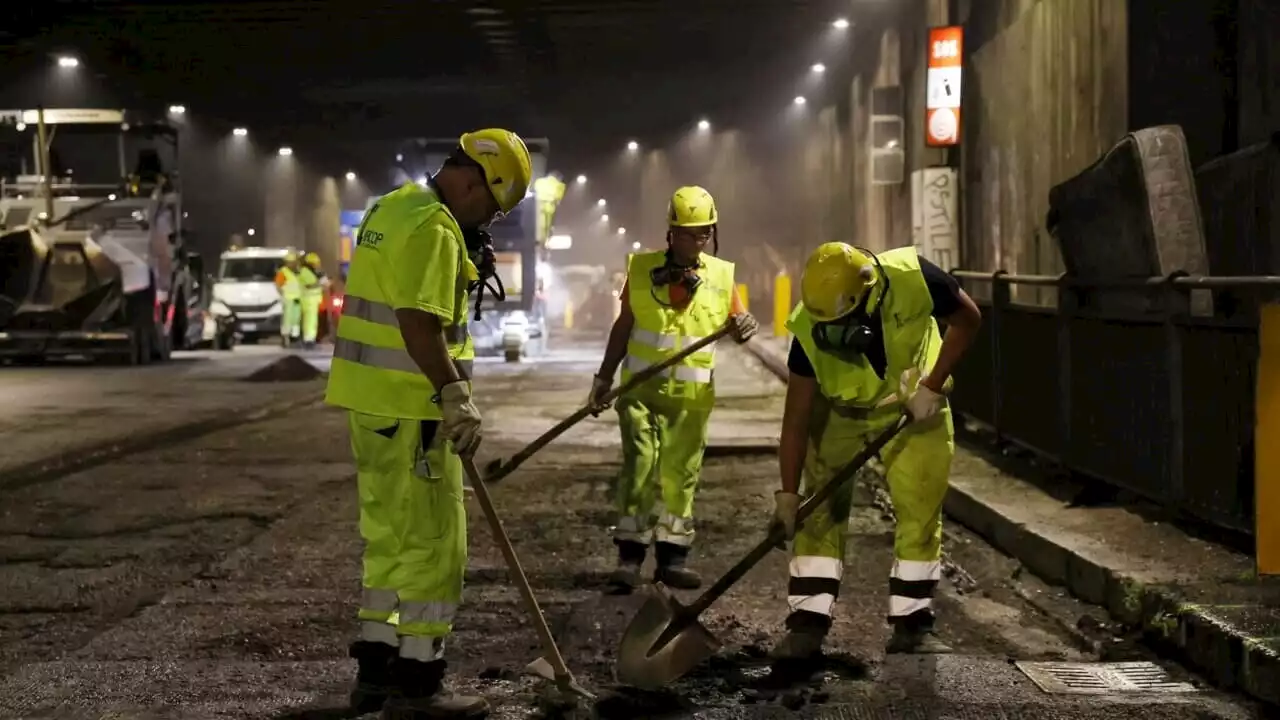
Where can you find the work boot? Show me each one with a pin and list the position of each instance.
(671, 570)
(420, 694)
(374, 682)
(626, 577)
(798, 645)
(915, 639)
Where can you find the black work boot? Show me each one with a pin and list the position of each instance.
(671, 570)
(915, 635)
(806, 631)
(626, 577)
(420, 694)
(374, 682)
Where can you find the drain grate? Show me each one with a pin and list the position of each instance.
(1059, 678)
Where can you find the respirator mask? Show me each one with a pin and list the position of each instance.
(851, 336)
(669, 274)
(480, 251)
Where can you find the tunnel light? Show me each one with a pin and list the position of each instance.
(285, 151)
(177, 109)
(633, 146)
(422, 180)
(601, 202)
(622, 231)
(399, 157)
(604, 218)
(67, 61)
(635, 245)
(252, 232)
(840, 24)
(799, 100)
(112, 196)
(21, 126)
(818, 68)
(240, 132)
(704, 124)
(350, 176)
(582, 180)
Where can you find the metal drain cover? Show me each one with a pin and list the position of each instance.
(1059, 678)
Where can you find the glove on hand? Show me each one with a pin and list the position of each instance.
(743, 327)
(785, 507)
(461, 424)
(599, 388)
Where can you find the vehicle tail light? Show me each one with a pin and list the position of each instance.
(337, 303)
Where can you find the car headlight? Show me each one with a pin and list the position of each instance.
(217, 307)
(276, 308)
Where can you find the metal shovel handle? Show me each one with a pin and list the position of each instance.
(806, 509)
(501, 469)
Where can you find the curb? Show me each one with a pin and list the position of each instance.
(95, 454)
(1229, 657)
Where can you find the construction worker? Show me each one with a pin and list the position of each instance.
(866, 349)
(670, 299)
(290, 286)
(402, 367)
(312, 280)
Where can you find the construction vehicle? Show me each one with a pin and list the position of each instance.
(516, 326)
(94, 258)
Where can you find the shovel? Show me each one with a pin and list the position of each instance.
(552, 666)
(665, 640)
(499, 468)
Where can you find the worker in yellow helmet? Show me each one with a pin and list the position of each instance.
(866, 349)
(671, 298)
(402, 368)
(312, 280)
(289, 284)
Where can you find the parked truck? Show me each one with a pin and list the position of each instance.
(94, 259)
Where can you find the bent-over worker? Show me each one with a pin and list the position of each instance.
(866, 349)
(671, 299)
(402, 366)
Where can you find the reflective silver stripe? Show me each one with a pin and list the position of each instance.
(383, 314)
(680, 372)
(387, 358)
(666, 342)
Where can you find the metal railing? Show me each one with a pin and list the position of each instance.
(1139, 383)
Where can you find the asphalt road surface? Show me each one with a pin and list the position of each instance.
(217, 577)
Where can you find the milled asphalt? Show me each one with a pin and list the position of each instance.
(217, 577)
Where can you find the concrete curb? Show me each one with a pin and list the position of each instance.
(94, 454)
(1229, 656)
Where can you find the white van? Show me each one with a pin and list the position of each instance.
(245, 289)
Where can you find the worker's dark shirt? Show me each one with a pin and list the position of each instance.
(943, 289)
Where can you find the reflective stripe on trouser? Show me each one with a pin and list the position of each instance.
(414, 529)
(310, 317)
(918, 463)
(662, 450)
(291, 318)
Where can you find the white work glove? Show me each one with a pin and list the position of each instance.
(785, 507)
(595, 399)
(461, 425)
(743, 327)
(922, 403)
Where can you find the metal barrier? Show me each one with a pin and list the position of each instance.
(1155, 400)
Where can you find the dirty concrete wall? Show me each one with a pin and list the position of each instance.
(1045, 94)
(1257, 70)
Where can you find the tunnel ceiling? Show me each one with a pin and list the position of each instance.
(417, 68)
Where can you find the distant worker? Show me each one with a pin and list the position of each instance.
(866, 349)
(289, 283)
(402, 367)
(670, 299)
(312, 280)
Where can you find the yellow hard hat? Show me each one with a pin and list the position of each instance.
(836, 276)
(312, 259)
(505, 161)
(291, 256)
(691, 206)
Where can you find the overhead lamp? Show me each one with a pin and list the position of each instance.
(840, 24)
(601, 202)
(582, 180)
(799, 100)
(285, 151)
(818, 68)
(399, 157)
(633, 146)
(704, 124)
(350, 176)
(67, 61)
(635, 245)
(252, 232)
(177, 109)
(240, 132)
(604, 218)
(622, 231)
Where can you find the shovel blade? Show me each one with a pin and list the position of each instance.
(642, 665)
